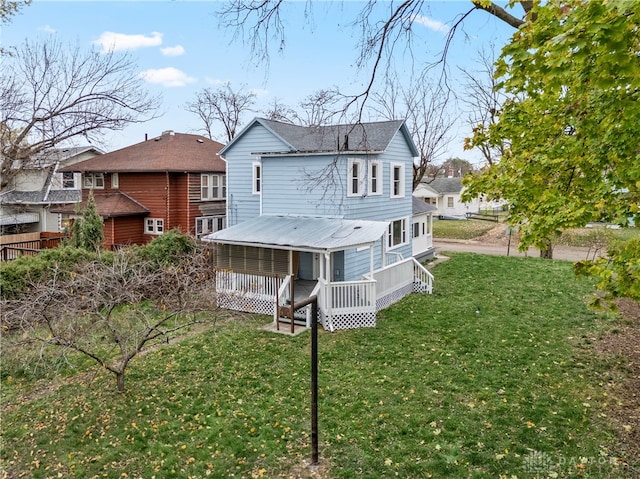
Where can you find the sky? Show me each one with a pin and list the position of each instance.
(180, 48)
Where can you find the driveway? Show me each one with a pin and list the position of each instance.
(501, 248)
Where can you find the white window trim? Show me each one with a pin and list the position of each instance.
(452, 200)
(92, 184)
(115, 181)
(401, 180)
(153, 226)
(208, 186)
(405, 233)
(256, 178)
(215, 219)
(379, 182)
(359, 177)
(73, 180)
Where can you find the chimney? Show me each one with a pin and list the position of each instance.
(168, 132)
(146, 137)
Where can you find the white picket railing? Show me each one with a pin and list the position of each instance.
(246, 284)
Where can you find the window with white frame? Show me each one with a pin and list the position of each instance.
(375, 173)
(416, 230)
(397, 233)
(68, 180)
(213, 187)
(397, 180)
(355, 177)
(153, 226)
(449, 201)
(257, 178)
(115, 181)
(209, 224)
(93, 181)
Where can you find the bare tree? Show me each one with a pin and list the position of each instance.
(51, 94)
(321, 107)
(110, 310)
(426, 109)
(280, 112)
(261, 23)
(223, 105)
(484, 100)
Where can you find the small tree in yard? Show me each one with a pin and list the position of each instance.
(87, 230)
(110, 310)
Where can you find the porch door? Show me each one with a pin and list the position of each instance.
(309, 266)
(337, 266)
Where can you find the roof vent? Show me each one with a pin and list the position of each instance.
(200, 140)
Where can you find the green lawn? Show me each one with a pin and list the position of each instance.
(461, 229)
(492, 376)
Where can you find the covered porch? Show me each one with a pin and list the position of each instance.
(272, 263)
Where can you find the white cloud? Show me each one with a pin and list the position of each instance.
(259, 92)
(169, 77)
(173, 51)
(217, 82)
(430, 23)
(111, 41)
(47, 29)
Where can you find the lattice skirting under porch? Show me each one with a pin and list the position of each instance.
(420, 287)
(348, 321)
(245, 302)
(397, 295)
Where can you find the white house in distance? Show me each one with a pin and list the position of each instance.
(444, 194)
(25, 206)
(323, 211)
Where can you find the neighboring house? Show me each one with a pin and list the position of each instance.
(175, 180)
(328, 209)
(26, 206)
(444, 194)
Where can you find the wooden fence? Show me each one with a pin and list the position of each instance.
(30, 247)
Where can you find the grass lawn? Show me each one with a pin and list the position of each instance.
(461, 229)
(436, 390)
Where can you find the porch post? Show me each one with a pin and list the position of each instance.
(371, 248)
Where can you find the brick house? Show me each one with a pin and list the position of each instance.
(175, 180)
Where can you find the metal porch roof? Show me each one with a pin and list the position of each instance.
(302, 233)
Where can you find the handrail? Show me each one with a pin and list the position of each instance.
(423, 275)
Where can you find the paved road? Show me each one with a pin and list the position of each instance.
(501, 249)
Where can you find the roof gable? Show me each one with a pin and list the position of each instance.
(445, 185)
(359, 137)
(169, 152)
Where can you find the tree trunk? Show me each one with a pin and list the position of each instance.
(120, 380)
(546, 250)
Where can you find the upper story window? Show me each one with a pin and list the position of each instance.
(115, 181)
(355, 177)
(256, 188)
(375, 174)
(397, 180)
(213, 187)
(68, 180)
(93, 181)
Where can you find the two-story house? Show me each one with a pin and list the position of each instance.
(326, 210)
(26, 205)
(174, 180)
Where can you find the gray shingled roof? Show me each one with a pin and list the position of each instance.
(419, 206)
(38, 197)
(445, 185)
(51, 156)
(361, 137)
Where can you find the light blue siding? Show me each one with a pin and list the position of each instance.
(242, 204)
(317, 185)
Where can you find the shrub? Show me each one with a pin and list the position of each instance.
(168, 248)
(17, 276)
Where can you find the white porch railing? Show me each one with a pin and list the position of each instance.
(342, 305)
